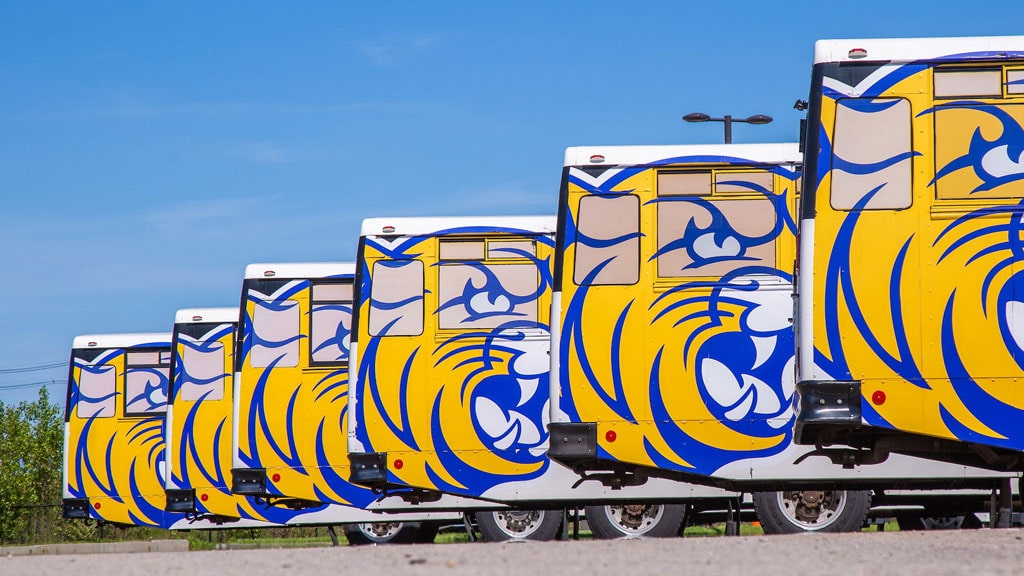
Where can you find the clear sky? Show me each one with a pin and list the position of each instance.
(150, 150)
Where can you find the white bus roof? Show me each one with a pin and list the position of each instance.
(197, 315)
(120, 340)
(911, 49)
(299, 270)
(714, 153)
(433, 225)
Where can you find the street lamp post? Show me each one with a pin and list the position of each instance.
(728, 120)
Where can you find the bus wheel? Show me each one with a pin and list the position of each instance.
(635, 520)
(793, 511)
(505, 525)
(381, 533)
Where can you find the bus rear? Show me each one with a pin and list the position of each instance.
(114, 429)
(911, 272)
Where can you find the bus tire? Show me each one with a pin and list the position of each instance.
(630, 520)
(381, 533)
(509, 525)
(795, 511)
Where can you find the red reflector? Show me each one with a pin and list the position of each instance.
(91, 344)
(878, 398)
(399, 464)
(388, 229)
(276, 477)
(857, 53)
(269, 273)
(204, 497)
(610, 435)
(96, 505)
(596, 159)
(197, 318)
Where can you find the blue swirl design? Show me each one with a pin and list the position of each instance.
(742, 373)
(995, 162)
(342, 335)
(984, 232)
(153, 397)
(502, 399)
(728, 243)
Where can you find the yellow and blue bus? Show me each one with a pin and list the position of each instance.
(910, 283)
(198, 441)
(290, 403)
(114, 430)
(450, 389)
(672, 345)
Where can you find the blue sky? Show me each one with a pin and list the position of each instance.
(149, 151)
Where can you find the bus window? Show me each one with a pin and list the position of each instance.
(497, 249)
(972, 82)
(744, 182)
(205, 377)
(684, 183)
(462, 250)
(700, 238)
(871, 132)
(277, 330)
(396, 298)
(608, 240)
(145, 382)
(1015, 82)
(486, 296)
(330, 322)
(972, 159)
(96, 391)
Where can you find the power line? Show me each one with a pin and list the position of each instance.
(37, 368)
(23, 385)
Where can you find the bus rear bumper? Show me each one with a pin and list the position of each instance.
(75, 508)
(369, 469)
(183, 501)
(826, 407)
(249, 481)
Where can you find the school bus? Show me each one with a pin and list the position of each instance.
(114, 429)
(910, 288)
(290, 397)
(198, 440)
(672, 345)
(450, 388)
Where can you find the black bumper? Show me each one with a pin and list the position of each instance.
(183, 501)
(75, 508)
(573, 443)
(249, 481)
(825, 408)
(369, 469)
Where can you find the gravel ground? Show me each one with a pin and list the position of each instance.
(974, 552)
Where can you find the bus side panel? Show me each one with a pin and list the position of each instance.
(680, 373)
(919, 304)
(292, 416)
(459, 410)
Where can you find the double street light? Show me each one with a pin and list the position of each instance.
(728, 120)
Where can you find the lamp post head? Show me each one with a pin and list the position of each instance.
(758, 119)
(696, 117)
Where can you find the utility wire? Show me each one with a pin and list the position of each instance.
(23, 385)
(32, 368)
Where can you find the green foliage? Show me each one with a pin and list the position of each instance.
(31, 436)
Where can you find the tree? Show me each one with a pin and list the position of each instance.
(31, 437)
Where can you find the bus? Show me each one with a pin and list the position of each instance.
(910, 291)
(114, 430)
(672, 344)
(449, 378)
(289, 427)
(198, 430)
